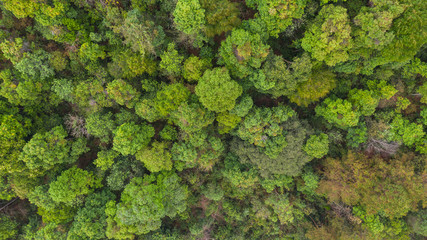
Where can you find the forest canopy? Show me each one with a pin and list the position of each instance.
(202, 119)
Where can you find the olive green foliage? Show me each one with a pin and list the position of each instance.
(263, 127)
(317, 145)
(7, 228)
(171, 62)
(192, 117)
(90, 221)
(144, 202)
(130, 137)
(328, 39)
(393, 185)
(170, 97)
(194, 68)
(318, 85)
(156, 158)
(339, 112)
(221, 16)
(72, 185)
(289, 161)
(123, 93)
(100, 125)
(45, 150)
(277, 15)
(217, 91)
(189, 16)
(213, 119)
(242, 53)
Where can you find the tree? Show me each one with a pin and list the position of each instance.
(72, 185)
(140, 32)
(328, 39)
(242, 53)
(156, 158)
(144, 202)
(364, 100)
(227, 122)
(282, 79)
(216, 91)
(100, 125)
(123, 93)
(338, 112)
(170, 97)
(317, 145)
(221, 16)
(171, 61)
(277, 14)
(105, 159)
(194, 67)
(35, 66)
(45, 150)
(289, 161)
(7, 227)
(189, 16)
(192, 117)
(90, 220)
(197, 150)
(130, 137)
(378, 185)
(263, 127)
(318, 85)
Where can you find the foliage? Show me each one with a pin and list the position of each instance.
(144, 202)
(263, 127)
(157, 158)
(189, 16)
(72, 185)
(359, 179)
(130, 137)
(199, 119)
(317, 145)
(242, 53)
(339, 112)
(328, 39)
(216, 91)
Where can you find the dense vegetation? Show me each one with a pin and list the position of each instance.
(213, 119)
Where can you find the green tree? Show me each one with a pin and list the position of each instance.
(221, 16)
(289, 161)
(264, 128)
(156, 158)
(194, 67)
(364, 100)
(130, 137)
(105, 159)
(72, 185)
(45, 150)
(192, 117)
(100, 125)
(90, 221)
(171, 61)
(170, 97)
(144, 202)
(338, 112)
(318, 85)
(328, 39)
(7, 228)
(189, 16)
(317, 145)
(277, 14)
(217, 91)
(123, 93)
(242, 53)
